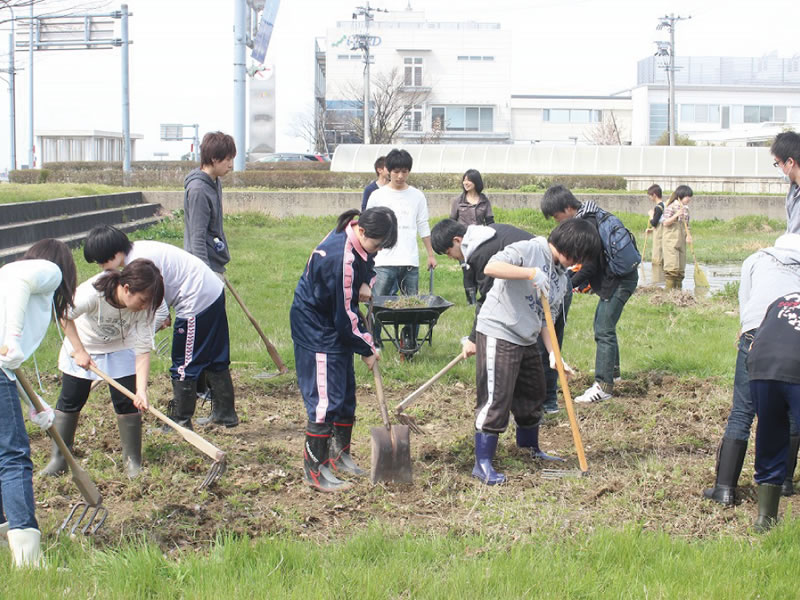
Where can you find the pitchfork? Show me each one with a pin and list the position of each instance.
(92, 513)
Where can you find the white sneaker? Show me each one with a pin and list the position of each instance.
(593, 394)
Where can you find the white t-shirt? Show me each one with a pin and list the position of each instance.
(411, 209)
(190, 286)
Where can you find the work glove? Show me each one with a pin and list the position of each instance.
(541, 281)
(11, 356)
(43, 419)
(568, 371)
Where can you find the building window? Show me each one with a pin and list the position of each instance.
(474, 58)
(571, 115)
(462, 118)
(763, 114)
(413, 71)
(659, 118)
(413, 119)
(699, 113)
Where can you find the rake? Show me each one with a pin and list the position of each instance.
(573, 421)
(92, 512)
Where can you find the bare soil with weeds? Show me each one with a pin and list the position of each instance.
(650, 451)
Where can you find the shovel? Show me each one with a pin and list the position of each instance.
(273, 352)
(641, 264)
(412, 397)
(92, 512)
(573, 422)
(391, 445)
(700, 279)
(217, 468)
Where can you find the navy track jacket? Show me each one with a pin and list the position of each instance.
(324, 314)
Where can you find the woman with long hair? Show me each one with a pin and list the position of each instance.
(472, 207)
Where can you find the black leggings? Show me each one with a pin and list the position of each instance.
(75, 392)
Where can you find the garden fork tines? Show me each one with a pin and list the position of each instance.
(91, 517)
(216, 471)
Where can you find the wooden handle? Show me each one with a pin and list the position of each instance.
(562, 377)
(412, 397)
(379, 393)
(80, 477)
(187, 434)
(273, 352)
(644, 251)
(691, 244)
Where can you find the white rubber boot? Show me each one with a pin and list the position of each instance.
(25, 547)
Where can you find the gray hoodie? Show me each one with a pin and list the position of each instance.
(513, 310)
(202, 217)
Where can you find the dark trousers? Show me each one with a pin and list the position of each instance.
(776, 402)
(327, 383)
(606, 317)
(201, 342)
(509, 379)
(75, 392)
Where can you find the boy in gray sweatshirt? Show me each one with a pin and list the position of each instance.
(509, 373)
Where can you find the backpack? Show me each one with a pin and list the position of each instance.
(619, 245)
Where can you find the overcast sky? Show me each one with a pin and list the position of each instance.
(182, 55)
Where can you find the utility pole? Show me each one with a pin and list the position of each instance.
(668, 49)
(12, 100)
(363, 41)
(126, 100)
(31, 141)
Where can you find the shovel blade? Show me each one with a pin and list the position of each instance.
(391, 454)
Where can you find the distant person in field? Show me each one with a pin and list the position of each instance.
(786, 152)
(382, 178)
(676, 235)
(655, 227)
(472, 207)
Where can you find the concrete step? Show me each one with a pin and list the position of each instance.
(19, 234)
(21, 212)
(76, 239)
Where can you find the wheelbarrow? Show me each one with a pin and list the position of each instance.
(401, 325)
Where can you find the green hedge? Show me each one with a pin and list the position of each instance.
(263, 175)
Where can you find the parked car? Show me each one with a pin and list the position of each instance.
(291, 157)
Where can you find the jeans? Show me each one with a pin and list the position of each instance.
(606, 316)
(392, 279)
(16, 468)
(778, 404)
(551, 375)
(743, 410)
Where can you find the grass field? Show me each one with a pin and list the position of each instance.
(636, 527)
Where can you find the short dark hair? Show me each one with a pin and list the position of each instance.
(398, 159)
(379, 223)
(141, 276)
(216, 146)
(475, 177)
(786, 146)
(577, 239)
(558, 199)
(655, 190)
(59, 253)
(103, 243)
(443, 233)
(379, 164)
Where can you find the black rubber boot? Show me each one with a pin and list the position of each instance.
(730, 459)
(130, 435)
(223, 409)
(341, 460)
(528, 437)
(65, 424)
(769, 497)
(184, 399)
(315, 460)
(791, 463)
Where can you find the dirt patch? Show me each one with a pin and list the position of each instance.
(650, 451)
(658, 296)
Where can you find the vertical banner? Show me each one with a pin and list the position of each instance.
(261, 43)
(262, 111)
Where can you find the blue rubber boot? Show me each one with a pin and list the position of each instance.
(485, 448)
(528, 437)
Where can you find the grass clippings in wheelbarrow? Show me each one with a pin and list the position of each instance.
(406, 302)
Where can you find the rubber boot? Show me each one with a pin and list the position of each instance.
(223, 409)
(65, 424)
(791, 463)
(769, 497)
(341, 460)
(315, 460)
(485, 448)
(130, 434)
(730, 459)
(658, 273)
(528, 437)
(181, 407)
(25, 545)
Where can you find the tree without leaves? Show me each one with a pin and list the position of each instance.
(605, 133)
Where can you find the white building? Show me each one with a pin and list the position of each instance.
(719, 100)
(72, 146)
(458, 72)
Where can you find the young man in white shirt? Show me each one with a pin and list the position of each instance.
(200, 338)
